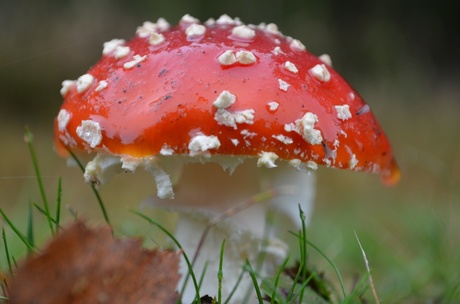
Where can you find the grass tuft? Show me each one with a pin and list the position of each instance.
(28, 138)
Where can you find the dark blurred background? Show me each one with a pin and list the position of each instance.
(401, 55)
(410, 47)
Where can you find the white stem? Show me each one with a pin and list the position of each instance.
(241, 244)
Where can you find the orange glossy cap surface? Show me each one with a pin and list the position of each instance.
(250, 88)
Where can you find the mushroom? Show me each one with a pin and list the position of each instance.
(217, 113)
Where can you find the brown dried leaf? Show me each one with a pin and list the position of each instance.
(83, 265)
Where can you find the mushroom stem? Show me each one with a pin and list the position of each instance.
(206, 199)
(241, 244)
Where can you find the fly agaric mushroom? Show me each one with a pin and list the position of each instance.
(182, 101)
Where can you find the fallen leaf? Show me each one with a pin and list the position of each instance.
(88, 265)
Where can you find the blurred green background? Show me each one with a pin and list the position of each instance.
(403, 56)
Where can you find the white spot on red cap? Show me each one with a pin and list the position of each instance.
(210, 22)
(325, 58)
(63, 119)
(188, 19)
(156, 38)
(245, 57)
(103, 84)
(84, 82)
(277, 51)
(90, 132)
(66, 86)
(201, 144)
(146, 29)
(244, 116)
(353, 162)
(248, 134)
(289, 66)
(225, 19)
(235, 141)
(305, 127)
(243, 32)
(194, 31)
(284, 139)
(343, 112)
(227, 118)
(320, 73)
(224, 100)
(136, 60)
(121, 51)
(227, 58)
(111, 45)
(296, 45)
(231, 119)
(267, 159)
(162, 24)
(273, 106)
(283, 85)
(272, 29)
(166, 150)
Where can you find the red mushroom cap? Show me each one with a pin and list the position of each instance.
(222, 88)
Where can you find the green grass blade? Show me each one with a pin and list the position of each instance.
(7, 252)
(96, 193)
(252, 274)
(220, 273)
(302, 289)
(336, 269)
(16, 231)
(303, 251)
(203, 273)
(295, 282)
(235, 288)
(58, 205)
(357, 292)
(277, 279)
(30, 227)
(270, 288)
(192, 274)
(42, 211)
(28, 137)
